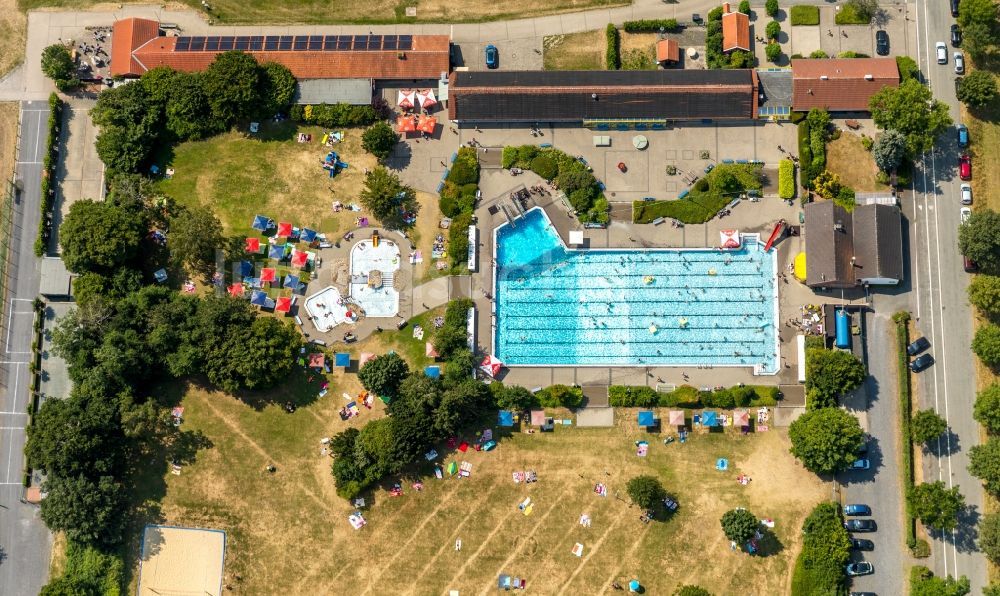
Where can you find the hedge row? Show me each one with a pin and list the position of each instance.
(338, 114)
(459, 193)
(612, 55)
(786, 179)
(651, 26)
(902, 320)
(569, 173)
(49, 163)
(687, 396)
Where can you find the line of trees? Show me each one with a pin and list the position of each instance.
(826, 549)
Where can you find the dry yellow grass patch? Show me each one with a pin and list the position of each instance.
(847, 158)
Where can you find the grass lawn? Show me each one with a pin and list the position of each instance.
(698, 206)
(378, 11)
(638, 51)
(13, 28)
(575, 51)
(847, 158)
(8, 139)
(848, 15)
(984, 131)
(290, 529)
(804, 14)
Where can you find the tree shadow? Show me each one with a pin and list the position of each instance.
(967, 532)
(769, 545)
(949, 444)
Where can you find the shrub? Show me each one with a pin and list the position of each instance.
(908, 68)
(745, 7)
(332, 115)
(771, 7)
(545, 167)
(458, 238)
(508, 157)
(556, 396)
(49, 163)
(612, 56)
(465, 170)
(819, 568)
(714, 15)
(797, 117)
(651, 26)
(640, 396)
(986, 344)
(852, 54)
(850, 14)
(525, 153)
(804, 15)
(786, 179)
(701, 185)
(772, 51)
(772, 30)
(819, 54)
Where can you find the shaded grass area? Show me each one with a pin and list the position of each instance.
(848, 158)
(377, 11)
(804, 14)
(702, 203)
(574, 51)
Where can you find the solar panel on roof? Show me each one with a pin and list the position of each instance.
(271, 42)
(406, 42)
(360, 42)
(330, 43)
(344, 42)
(212, 43)
(226, 43)
(285, 43)
(375, 42)
(183, 44)
(241, 43)
(390, 42)
(197, 44)
(256, 43)
(301, 43)
(315, 42)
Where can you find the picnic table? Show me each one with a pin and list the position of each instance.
(852, 124)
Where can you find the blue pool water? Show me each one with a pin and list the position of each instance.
(561, 307)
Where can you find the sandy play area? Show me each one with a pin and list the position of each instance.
(181, 561)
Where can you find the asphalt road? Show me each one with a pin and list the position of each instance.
(942, 309)
(24, 539)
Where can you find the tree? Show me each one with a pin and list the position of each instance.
(983, 12)
(977, 38)
(387, 198)
(984, 464)
(195, 237)
(739, 525)
(277, 88)
(514, 397)
(984, 294)
(57, 64)
(934, 505)
(98, 236)
(924, 583)
(991, 590)
(826, 440)
(979, 239)
(986, 344)
(830, 373)
(771, 7)
(865, 9)
(826, 548)
(646, 491)
(159, 84)
(926, 426)
(379, 140)
(888, 150)
(130, 123)
(383, 374)
(772, 51)
(986, 410)
(772, 30)
(977, 89)
(232, 82)
(989, 536)
(188, 111)
(689, 590)
(258, 356)
(89, 511)
(911, 110)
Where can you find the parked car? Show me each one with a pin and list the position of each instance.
(921, 362)
(954, 8)
(860, 568)
(857, 510)
(956, 35)
(919, 345)
(966, 194)
(963, 135)
(942, 52)
(965, 167)
(862, 544)
(492, 56)
(860, 525)
(861, 464)
(964, 213)
(670, 504)
(864, 446)
(881, 42)
(959, 63)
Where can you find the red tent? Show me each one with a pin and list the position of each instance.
(267, 275)
(406, 124)
(299, 258)
(427, 124)
(729, 239)
(316, 360)
(284, 229)
(236, 290)
(253, 244)
(283, 304)
(491, 365)
(406, 99)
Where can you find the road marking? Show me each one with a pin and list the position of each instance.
(29, 163)
(10, 438)
(13, 413)
(38, 137)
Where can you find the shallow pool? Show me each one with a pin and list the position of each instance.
(675, 307)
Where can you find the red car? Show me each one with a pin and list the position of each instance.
(965, 167)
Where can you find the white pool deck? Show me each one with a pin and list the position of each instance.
(326, 308)
(380, 302)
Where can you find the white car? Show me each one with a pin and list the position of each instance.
(959, 63)
(966, 194)
(942, 52)
(965, 213)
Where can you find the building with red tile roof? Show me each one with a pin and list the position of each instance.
(840, 84)
(667, 51)
(137, 47)
(735, 30)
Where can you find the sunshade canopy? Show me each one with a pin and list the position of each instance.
(253, 244)
(284, 304)
(236, 290)
(537, 417)
(292, 282)
(406, 124)
(729, 239)
(246, 268)
(646, 418)
(317, 360)
(342, 359)
(267, 274)
(262, 223)
(365, 357)
(491, 365)
(308, 235)
(276, 252)
(427, 124)
(676, 418)
(741, 418)
(800, 267)
(505, 418)
(299, 258)
(284, 229)
(258, 298)
(426, 98)
(709, 419)
(406, 98)
(429, 350)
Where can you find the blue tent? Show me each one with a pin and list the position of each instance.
(262, 223)
(506, 418)
(709, 419)
(276, 252)
(246, 268)
(646, 419)
(433, 372)
(293, 282)
(258, 298)
(342, 359)
(633, 586)
(308, 235)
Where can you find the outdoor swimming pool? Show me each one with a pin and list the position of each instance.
(683, 307)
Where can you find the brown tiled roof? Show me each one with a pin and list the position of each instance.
(840, 84)
(735, 31)
(667, 50)
(127, 35)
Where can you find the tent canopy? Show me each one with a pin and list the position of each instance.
(406, 124)
(253, 244)
(646, 418)
(426, 98)
(284, 229)
(491, 365)
(429, 350)
(308, 235)
(316, 360)
(342, 359)
(427, 124)
(505, 418)
(299, 258)
(537, 417)
(676, 418)
(406, 98)
(236, 290)
(258, 298)
(262, 223)
(268, 274)
(729, 239)
(709, 419)
(284, 304)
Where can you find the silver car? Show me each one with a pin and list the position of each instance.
(966, 194)
(959, 63)
(965, 213)
(942, 52)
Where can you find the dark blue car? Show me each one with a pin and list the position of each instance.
(492, 56)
